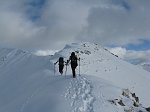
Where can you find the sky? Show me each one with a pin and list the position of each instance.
(132, 56)
(51, 24)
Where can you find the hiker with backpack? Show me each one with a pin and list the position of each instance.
(73, 58)
(61, 64)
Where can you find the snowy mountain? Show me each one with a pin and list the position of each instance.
(106, 83)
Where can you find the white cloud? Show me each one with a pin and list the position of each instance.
(16, 30)
(119, 51)
(107, 22)
(132, 56)
(45, 52)
(117, 24)
(138, 56)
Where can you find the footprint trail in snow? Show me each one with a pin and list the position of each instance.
(80, 93)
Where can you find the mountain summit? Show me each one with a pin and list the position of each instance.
(106, 83)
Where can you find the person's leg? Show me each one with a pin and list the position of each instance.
(73, 71)
(61, 69)
(74, 74)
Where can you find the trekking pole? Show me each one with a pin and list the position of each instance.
(79, 66)
(66, 70)
(54, 69)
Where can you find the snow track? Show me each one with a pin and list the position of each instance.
(80, 93)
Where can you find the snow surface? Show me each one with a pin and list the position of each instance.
(28, 82)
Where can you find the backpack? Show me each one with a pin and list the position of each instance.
(61, 61)
(74, 60)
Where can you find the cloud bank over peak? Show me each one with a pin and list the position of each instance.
(118, 24)
(135, 57)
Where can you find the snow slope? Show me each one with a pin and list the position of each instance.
(28, 83)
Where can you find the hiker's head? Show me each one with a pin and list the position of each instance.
(73, 54)
(61, 59)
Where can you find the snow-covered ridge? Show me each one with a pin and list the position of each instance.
(6, 55)
(99, 62)
(28, 82)
(5, 52)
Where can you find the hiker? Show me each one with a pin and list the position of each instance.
(73, 58)
(61, 64)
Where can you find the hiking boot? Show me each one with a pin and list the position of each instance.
(74, 76)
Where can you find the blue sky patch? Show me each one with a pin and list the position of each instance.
(122, 3)
(125, 5)
(144, 46)
(139, 47)
(37, 3)
(34, 9)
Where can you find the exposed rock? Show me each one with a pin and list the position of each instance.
(121, 103)
(126, 93)
(136, 104)
(135, 97)
(116, 55)
(112, 102)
